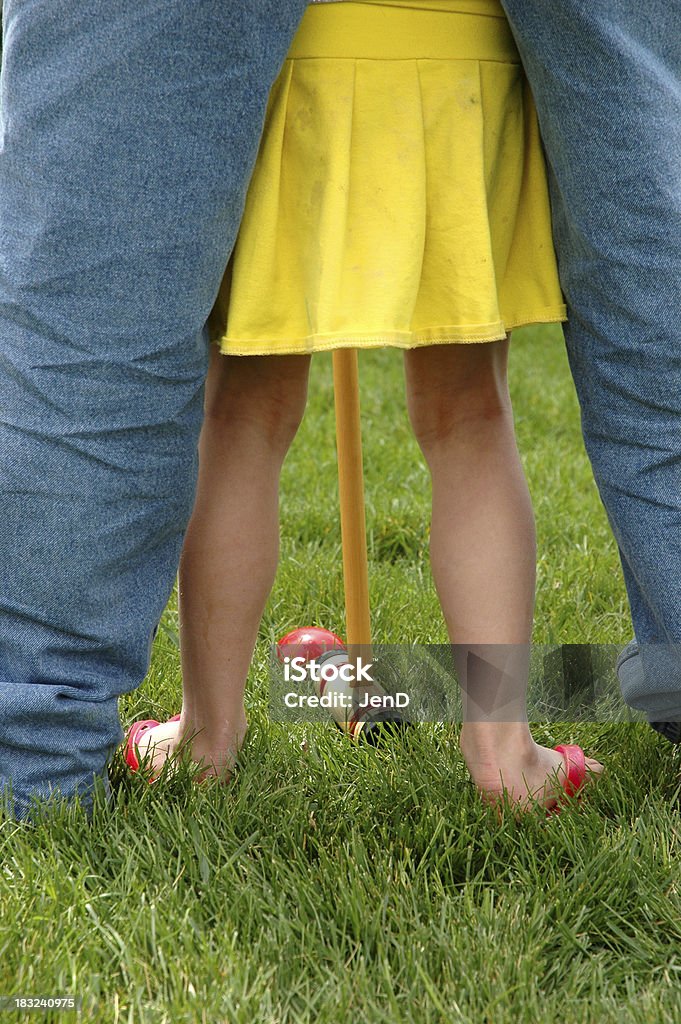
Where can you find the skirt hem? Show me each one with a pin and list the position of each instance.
(461, 335)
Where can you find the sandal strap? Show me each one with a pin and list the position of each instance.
(575, 765)
(134, 732)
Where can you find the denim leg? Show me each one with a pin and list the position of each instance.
(607, 83)
(127, 135)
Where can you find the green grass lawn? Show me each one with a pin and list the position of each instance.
(338, 883)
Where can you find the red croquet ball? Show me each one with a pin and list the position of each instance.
(308, 642)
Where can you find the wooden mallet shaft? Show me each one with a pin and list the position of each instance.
(351, 495)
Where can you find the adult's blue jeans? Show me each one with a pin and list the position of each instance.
(606, 77)
(128, 133)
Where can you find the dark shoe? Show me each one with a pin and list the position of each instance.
(670, 730)
(629, 664)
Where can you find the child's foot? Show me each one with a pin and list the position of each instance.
(502, 758)
(216, 754)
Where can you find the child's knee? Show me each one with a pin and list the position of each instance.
(456, 410)
(453, 388)
(278, 417)
(265, 400)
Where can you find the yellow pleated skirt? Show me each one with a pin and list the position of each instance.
(399, 196)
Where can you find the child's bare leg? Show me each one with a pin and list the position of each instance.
(254, 405)
(482, 555)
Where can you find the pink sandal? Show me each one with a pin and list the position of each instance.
(575, 766)
(132, 736)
